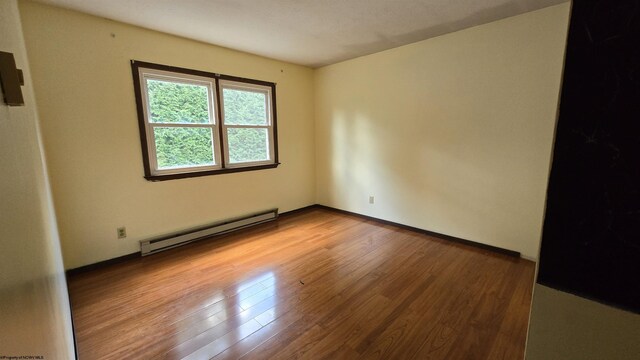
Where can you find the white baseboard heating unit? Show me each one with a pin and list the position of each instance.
(169, 241)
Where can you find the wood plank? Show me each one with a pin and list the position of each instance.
(315, 284)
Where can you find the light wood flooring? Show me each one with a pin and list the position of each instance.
(315, 284)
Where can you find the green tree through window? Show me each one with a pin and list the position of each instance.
(182, 121)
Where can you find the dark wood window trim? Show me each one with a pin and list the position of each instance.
(148, 174)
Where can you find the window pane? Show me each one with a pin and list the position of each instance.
(247, 145)
(244, 107)
(171, 102)
(183, 147)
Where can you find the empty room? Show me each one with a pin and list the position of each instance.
(248, 179)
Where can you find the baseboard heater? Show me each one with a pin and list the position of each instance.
(165, 242)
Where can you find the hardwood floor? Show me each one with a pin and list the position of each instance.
(315, 284)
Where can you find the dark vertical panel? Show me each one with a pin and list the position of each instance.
(591, 237)
(11, 80)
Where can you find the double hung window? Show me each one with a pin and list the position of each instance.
(195, 123)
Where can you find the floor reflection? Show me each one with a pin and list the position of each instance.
(250, 305)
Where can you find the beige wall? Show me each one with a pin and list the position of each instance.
(452, 134)
(34, 305)
(568, 327)
(83, 81)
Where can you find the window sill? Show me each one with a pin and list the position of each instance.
(209, 172)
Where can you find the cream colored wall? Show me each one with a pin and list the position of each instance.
(83, 82)
(568, 327)
(34, 305)
(452, 134)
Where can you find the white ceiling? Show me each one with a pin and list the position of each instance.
(306, 32)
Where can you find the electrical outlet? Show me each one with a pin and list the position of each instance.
(371, 199)
(122, 232)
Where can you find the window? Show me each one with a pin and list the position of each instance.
(195, 123)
